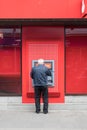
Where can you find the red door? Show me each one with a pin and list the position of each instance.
(46, 43)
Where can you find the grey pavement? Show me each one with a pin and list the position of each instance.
(54, 120)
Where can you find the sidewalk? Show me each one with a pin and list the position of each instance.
(54, 120)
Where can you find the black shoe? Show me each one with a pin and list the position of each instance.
(45, 112)
(37, 112)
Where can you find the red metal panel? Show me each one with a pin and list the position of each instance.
(38, 42)
(47, 50)
(10, 70)
(76, 65)
(9, 59)
(40, 8)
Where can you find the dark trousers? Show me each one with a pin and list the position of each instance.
(41, 91)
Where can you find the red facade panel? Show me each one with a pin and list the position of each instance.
(38, 42)
(76, 62)
(41, 8)
(10, 60)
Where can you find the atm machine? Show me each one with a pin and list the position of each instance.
(50, 65)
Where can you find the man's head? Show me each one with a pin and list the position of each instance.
(40, 61)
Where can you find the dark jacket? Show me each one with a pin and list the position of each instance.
(39, 75)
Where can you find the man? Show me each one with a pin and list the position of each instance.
(39, 75)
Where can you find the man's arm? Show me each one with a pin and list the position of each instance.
(48, 72)
(31, 73)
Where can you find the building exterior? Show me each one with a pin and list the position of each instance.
(55, 30)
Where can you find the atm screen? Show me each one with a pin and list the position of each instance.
(50, 65)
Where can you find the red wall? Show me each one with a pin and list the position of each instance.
(47, 43)
(76, 65)
(40, 8)
(9, 61)
(10, 70)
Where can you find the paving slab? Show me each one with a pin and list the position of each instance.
(56, 120)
